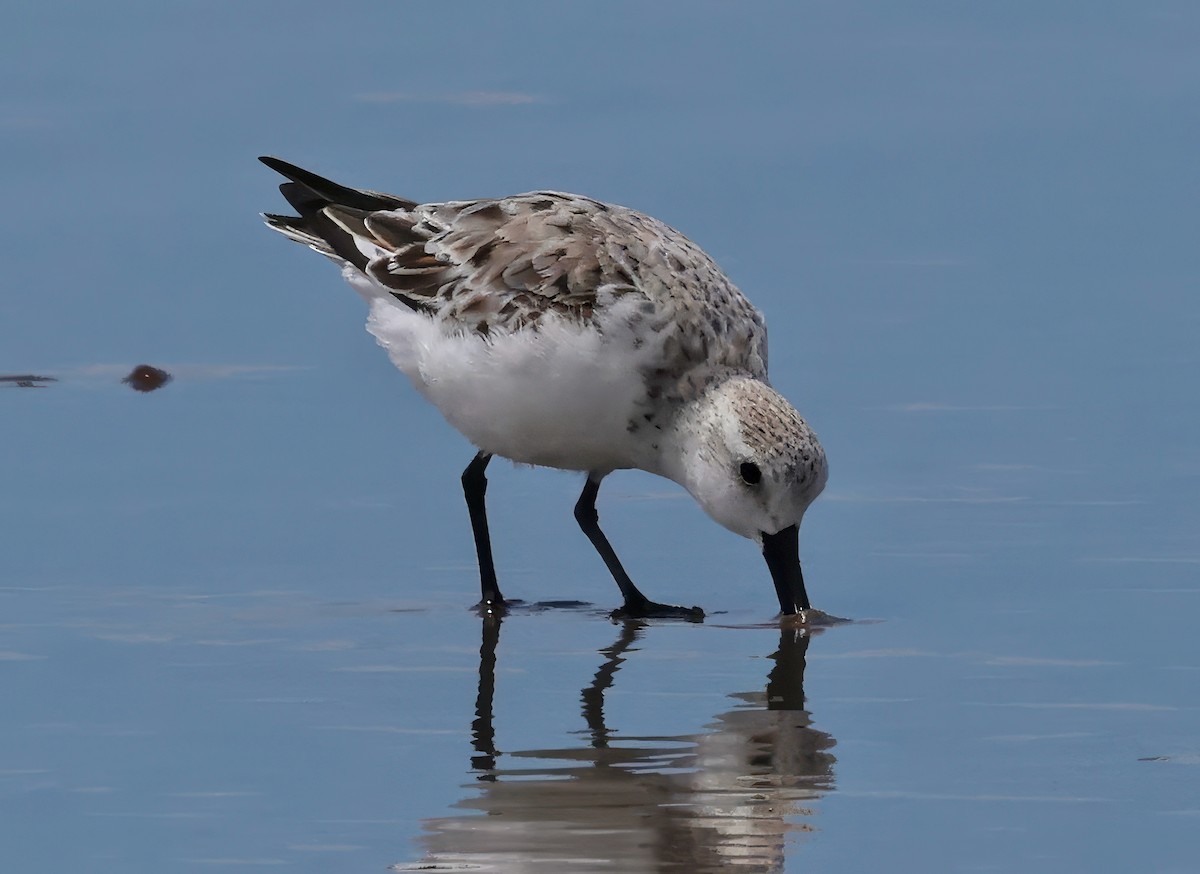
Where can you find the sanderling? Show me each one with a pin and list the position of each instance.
(555, 330)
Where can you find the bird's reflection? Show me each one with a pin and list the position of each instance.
(725, 797)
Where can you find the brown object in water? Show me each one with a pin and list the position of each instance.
(145, 378)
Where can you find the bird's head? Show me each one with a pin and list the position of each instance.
(755, 466)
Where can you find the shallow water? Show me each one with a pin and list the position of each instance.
(157, 726)
(234, 624)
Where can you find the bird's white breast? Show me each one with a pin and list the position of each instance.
(559, 396)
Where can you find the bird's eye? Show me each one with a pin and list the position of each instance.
(750, 473)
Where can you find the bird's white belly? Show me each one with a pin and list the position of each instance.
(560, 396)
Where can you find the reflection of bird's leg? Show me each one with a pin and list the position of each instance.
(593, 695)
(483, 735)
(785, 683)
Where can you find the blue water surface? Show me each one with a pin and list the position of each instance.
(234, 631)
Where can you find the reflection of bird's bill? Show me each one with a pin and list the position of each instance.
(618, 801)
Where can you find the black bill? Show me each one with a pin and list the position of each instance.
(782, 552)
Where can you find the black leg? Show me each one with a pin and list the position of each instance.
(636, 604)
(474, 488)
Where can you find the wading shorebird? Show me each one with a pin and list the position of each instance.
(555, 330)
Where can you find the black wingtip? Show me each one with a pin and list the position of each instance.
(331, 192)
(317, 184)
(283, 168)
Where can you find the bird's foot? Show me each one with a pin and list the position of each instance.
(646, 609)
(811, 618)
(496, 606)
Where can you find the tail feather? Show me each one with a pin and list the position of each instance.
(332, 218)
(352, 221)
(294, 228)
(302, 198)
(311, 196)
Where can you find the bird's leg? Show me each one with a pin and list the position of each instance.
(636, 604)
(474, 488)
